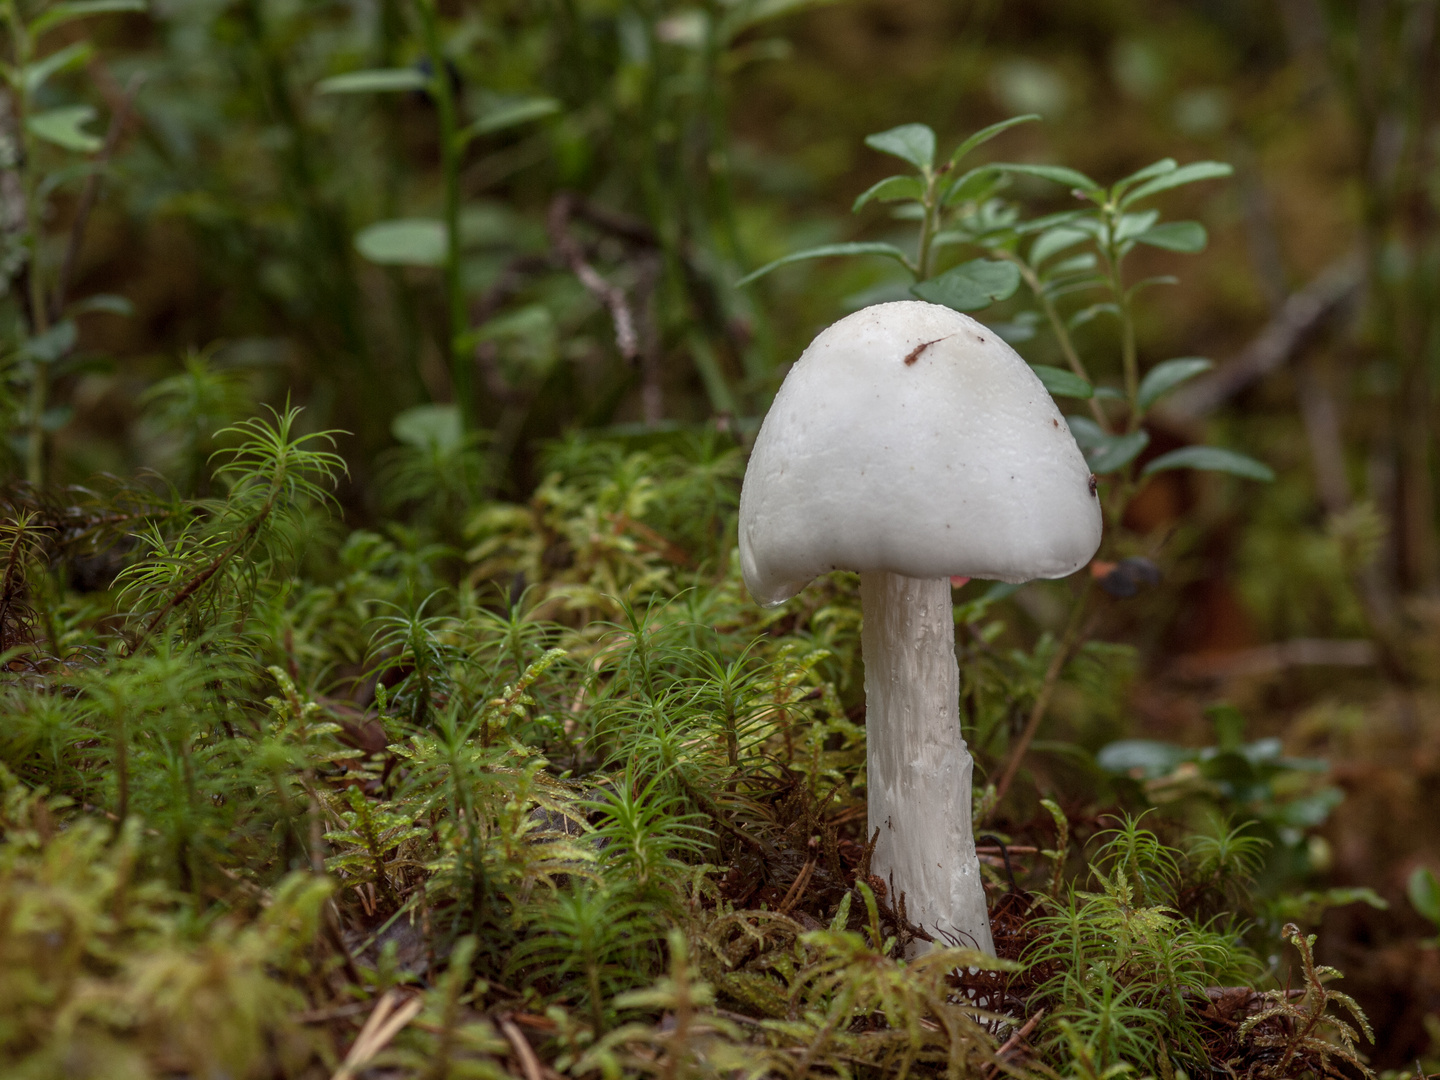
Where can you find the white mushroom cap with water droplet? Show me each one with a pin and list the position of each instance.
(911, 438)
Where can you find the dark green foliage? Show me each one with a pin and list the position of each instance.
(1309, 1035)
(526, 799)
(485, 765)
(109, 972)
(1126, 958)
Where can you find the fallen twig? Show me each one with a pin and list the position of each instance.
(1280, 339)
(524, 1053)
(612, 296)
(1275, 658)
(390, 1016)
(1015, 1041)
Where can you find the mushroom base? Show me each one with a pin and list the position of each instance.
(918, 767)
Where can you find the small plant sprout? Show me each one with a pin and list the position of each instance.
(1424, 892)
(911, 444)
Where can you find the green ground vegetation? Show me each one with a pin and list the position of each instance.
(380, 697)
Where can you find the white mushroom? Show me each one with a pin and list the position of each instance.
(911, 444)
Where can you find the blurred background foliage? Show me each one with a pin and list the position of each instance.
(493, 248)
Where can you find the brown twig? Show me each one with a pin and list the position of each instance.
(384, 1024)
(524, 1053)
(1280, 339)
(573, 255)
(1263, 660)
(797, 887)
(1012, 1044)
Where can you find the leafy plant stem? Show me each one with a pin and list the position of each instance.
(23, 52)
(443, 93)
(199, 580)
(1057, 326)
(927, 226)
(1129, 357)
(90, 193)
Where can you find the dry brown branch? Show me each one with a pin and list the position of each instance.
(797, 887)
(1013, 1046)
(1298, 318)
(573, 255)
(1277, 657)
(524, 1053)
(390, 1016)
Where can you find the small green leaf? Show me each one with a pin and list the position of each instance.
(971, 285)
(1019, 329)
(1056, 173)
(950, 237)
(914, 143)
(1055, 241)
(740, 17)
(1229, 725)
(1079, 219)
(825, 251)
(106, 302)
(512, 113)
(1149, 282)
(64, 127)
(1086, 432)
(1149, 758)
(1076, 264)
(1424, 892)
(1077, 283)
(1085, 315)
(1062, 383)
(1186, 236)
(404, 242)
(1186, 174)
(374, 81)
(54, 343)
(1163, 378)
(1310, 906)
(976, 185)
(1106, 453)
(56, 417)
(889, 190)
(428, 427)
(1159, 168)
(1311, 810)
(35, 74)
(985, 134)
(1211, 459)
(61, 14)
(1132, 225)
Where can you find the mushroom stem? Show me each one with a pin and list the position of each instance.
(918, 768)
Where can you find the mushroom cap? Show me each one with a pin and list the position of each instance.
(911, 438)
